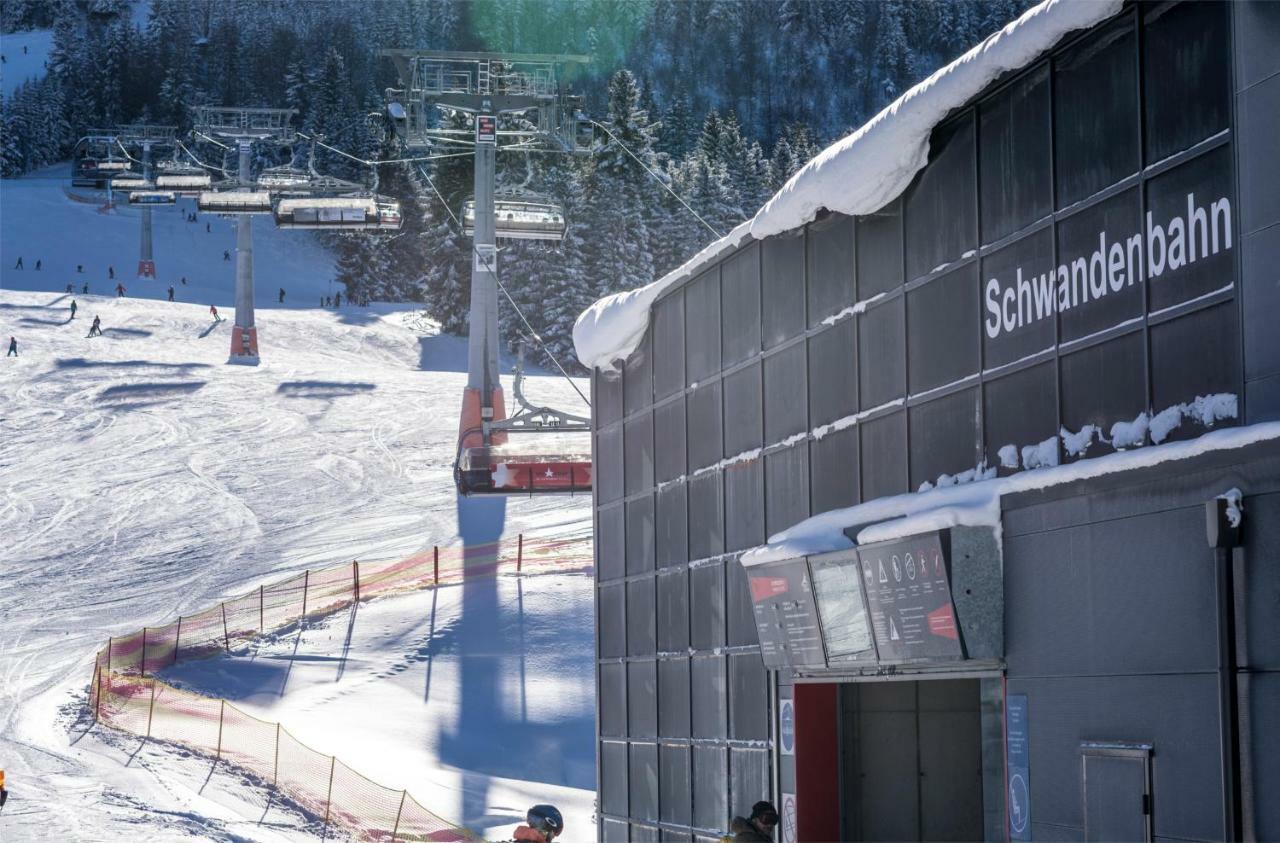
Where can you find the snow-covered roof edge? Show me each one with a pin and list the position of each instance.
(858, 174)
(978, 504)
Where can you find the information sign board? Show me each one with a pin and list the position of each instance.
(837, 587)
(486, 128)
(909, 599)
(786, 618)
(1018, 760)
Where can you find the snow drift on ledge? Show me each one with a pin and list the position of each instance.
(858, 174)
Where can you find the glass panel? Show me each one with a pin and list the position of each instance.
(833, 461)
(674, 701)
(676, 798)
(673, 612)
(941, 207)
(640, 535)
(830, 265)
(705, 432)
(744, 505)
(833, 374)
(782, 259)
(611, 539)
(637, 379)
(642, 618)
(943, 343)
(1018, 300)
(742, 617)
(668, 345)
(740, 308)
(837, 588)
(706, 517)
(702, 325)
(1020, 410)
(1014, 156)
(669, 442)
(613, 778)
(884, 456)
(642, 699)
(614, 831)
(743, 415)
(882, 354)
(1096, 111)
(879, 250)
(639, 454)
(673, 526)
(1103, 385)
(1196, 356)
(613, 700)
(785, 402)
(607, 395)
(710, 787)
(750, 694)
(787, 487)
(944, 437)
(1099, 276)
(1186, 79)
(1189, 230)
(608, 463)
(706, 599)
(710, 698)
(749, 773)
(644, 833)
(613, 622)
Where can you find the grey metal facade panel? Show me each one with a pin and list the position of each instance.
(642, 617)
(743, 416)
(782, 287)
(669, 425)
(744, 505)
(710, 786)
(1181, 46)
(704, 420)
(675, 707)
(748, 777)
(638, 453)
(834, 471)
(675, 798)
(749, 698)
(833, 373)
(884, 456)
(1016, 128)
(1034, 394)
(829, 260)
(644, 782)
(612, 685)
(786, 484)
(668, 345)
(1064, 711)
(611, 546)
(740, 329)
(637, 379)
(1255, 31)
(1264, 747)
(702, 326)
(673, 525)
(945, 437)
(1261, 582)
(710, 684)
(642, 700)
(879, 251)
(707, 606)
(640, 535)
(786, 406)
(673, 611)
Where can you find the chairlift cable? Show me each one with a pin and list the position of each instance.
(191, 154)
(213, 141)
(657, 178)
(369, 163)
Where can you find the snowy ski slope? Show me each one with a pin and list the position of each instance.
(141, 477)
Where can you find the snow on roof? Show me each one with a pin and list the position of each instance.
(858, 174)
(978, 504)
(364, 203)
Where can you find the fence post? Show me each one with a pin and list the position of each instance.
(306, 584)
(177, 639)
(226, 638)
(262, 610)
(520, 552)
(143, 666)
(152, 709)
(399, 811)
(222, 709)
(436, 552)
(355, 574)
(329, 800)
(97, 691)
(275, 774)
(110, 641)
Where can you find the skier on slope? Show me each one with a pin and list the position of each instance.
(282, 295)
(170, 292)
(213, 311)
(337, 299)
(111, 273)
(13, 347)
(86, 288)
(95, 330)
(543, 824)
(120, 291)
(38, 262)
(73, 308)
(226, 255)
(18, 265)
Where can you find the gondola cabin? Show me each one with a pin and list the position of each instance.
(131, 181)
(152, 197)
(519, 220)
(338, 212)
(235, 202)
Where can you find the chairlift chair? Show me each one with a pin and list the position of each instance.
(525, 468)
(341, 213)
(152, 197)
(232, 202)
(184, 184)
(519, 217)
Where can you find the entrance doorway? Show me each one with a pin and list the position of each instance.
(911, 760)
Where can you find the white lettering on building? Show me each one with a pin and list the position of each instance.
(1114, 265)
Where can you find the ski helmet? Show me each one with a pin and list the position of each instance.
(545, 818)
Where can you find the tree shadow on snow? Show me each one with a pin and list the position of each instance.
(82, 363)
(132, 396)
(31, 320)
(125, 333)
(323, 389)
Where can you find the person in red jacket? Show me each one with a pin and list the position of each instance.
(213, 311)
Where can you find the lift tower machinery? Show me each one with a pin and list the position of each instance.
(515, 102)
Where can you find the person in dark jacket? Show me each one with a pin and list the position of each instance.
(13, 347)
(95, 330)
(757, 828)
(282, 295)
(170, 292)
(86, 288)
(73, 308)
(337, 299)
(120, 291)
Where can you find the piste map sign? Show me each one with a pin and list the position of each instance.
(909, 599)
(786, 617)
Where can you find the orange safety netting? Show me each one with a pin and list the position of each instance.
(126, 695)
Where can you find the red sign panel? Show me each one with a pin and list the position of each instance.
(486, 129)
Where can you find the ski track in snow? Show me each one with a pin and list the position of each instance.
(141, 477)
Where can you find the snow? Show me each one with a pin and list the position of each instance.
(414, 660)
(1130, 434)
(1078, 443)
(18, 66)
(142, 478)
(1235, 505)
(1008, 456)
(1041, 455)
(858, 174)
(977, 504)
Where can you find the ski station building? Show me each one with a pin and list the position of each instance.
(941, 500)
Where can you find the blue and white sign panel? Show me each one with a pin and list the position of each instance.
(787, 726)
(1018, 760)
